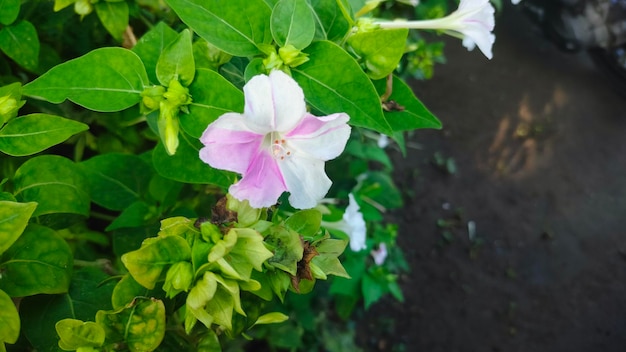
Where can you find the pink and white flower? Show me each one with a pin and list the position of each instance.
(379, 255)
(473, 22)
(276, 145)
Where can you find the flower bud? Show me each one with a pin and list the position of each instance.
(177, 94)
(168, 126)
(8, 108)
(291, 56)
(152, 97)
(178, 278)
(83, 7)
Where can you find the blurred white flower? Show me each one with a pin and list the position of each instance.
(352, 224)
(515, 2)
(379, 254)
(383, 141)
(473, 22)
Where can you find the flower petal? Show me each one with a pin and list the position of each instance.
(305, 179)
(274, 102)
(358, 229)
(322, 137)
(229, 144)
(261, 184)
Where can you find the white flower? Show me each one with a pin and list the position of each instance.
(357, 229)
(276, 145)
(383, 141)
(473, 22)
(352, 224)
(379, 254)
(515, 2)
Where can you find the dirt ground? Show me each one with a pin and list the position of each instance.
(538, 138)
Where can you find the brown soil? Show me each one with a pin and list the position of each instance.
(538, 137)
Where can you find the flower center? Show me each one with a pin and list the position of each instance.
(277, 145)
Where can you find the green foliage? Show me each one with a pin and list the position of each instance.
(115, 236)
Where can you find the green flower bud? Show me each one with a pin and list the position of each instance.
(152, 97)
(273, 61)
(178, 278)
(291, 56)
(168, 126)
(210, 232)
(83, 7)
(177, 94)
(8, 108)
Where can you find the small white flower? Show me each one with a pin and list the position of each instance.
(473, 22)
(383, 141)
(356, 228)
(379, 254)
(515, 2)
(352, 224)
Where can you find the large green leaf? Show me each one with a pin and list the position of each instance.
(150, 46)
(186, 166)
(305, 222)
(212, 96)
(147, 263)
(116, 180)
(333, 82)
(141, 326)
(9, 9)
(236, 27)
(33, 133)
(40, 261)
(55, 182)
(176, 61)
(330, 23)
(13, 220)
(114, 17)
(87, 294)
(9, 320)
(380, 50)
(20, 42)
(292, 23)
(412, 113)
(105, 79)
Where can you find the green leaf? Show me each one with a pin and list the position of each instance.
(150, 46)
(176, 61)
(9, 320)
(373, 289)
(413, 115)
(147, 263)
(292, 23)
(33, 133)
(135, 215)
(9, 9)
(87, 294)
(40, 261)
(77, 333)
(248, 252)
(20, 42)
(105, 79)
(140, 326)
(333, 82)
(305, 222)
(213, 96)
(327, 259)
(330, 24)
(114, 17)
(271, 318)
(236, 27)
(55, 182)
(287, 248)
(126, 290)
(381, 50)
(116, 180)
(186, 166)
(13, 220)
